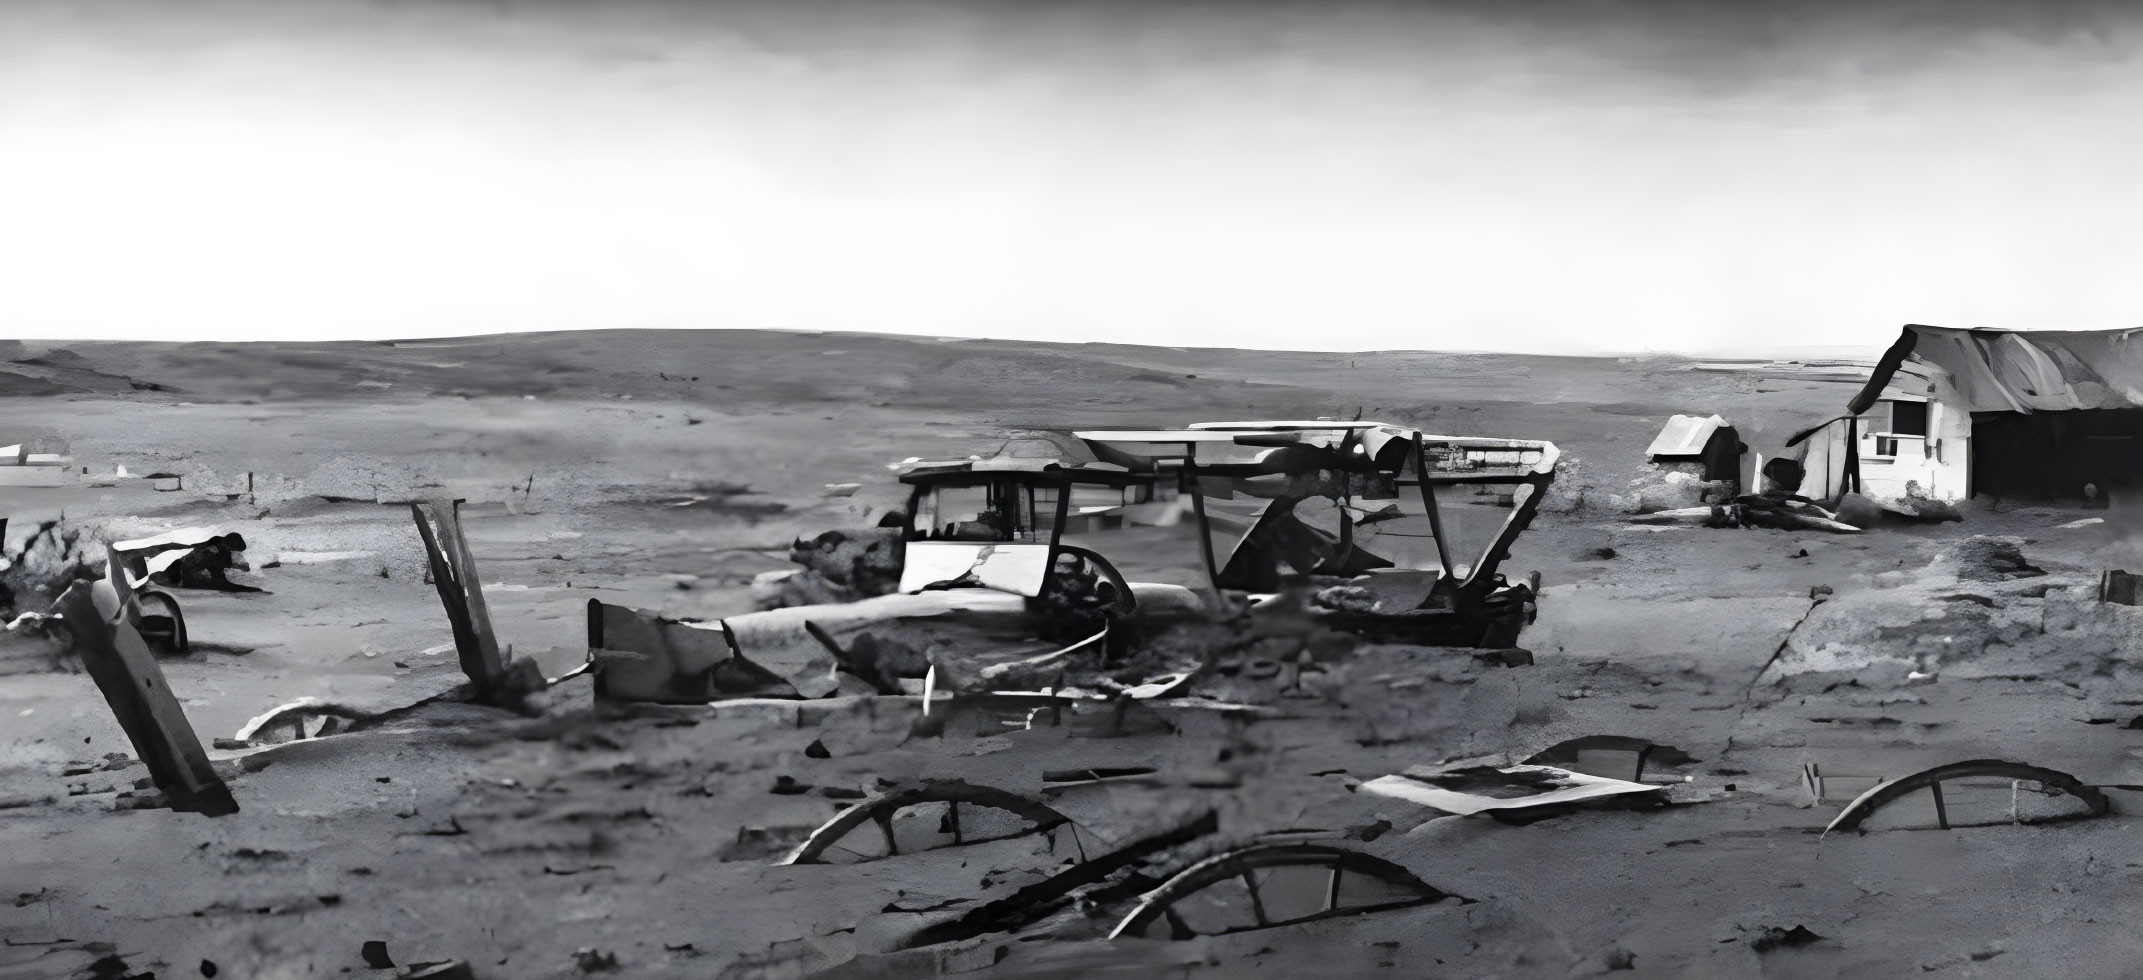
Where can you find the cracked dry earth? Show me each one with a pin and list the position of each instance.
(639, 841)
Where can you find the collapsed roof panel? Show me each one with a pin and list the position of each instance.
(2021, 370)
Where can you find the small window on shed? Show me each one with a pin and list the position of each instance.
(1908, 418)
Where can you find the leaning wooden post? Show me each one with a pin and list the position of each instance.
(462, 593)
(115, 656)
(1851, 479)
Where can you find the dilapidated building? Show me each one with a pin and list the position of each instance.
(1951, 413)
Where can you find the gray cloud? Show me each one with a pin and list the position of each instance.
(1529, 174)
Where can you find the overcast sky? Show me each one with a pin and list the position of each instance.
(1524, 175)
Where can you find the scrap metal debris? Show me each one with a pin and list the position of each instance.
(995, 554)
(640, 656)
(1770, 509)
(2117, 586)
(1598, 755)
(1510, 791)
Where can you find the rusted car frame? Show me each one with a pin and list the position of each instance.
(1027, 504)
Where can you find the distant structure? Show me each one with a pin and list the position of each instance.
(27, 465)
(1705, 448)
(1949, 413)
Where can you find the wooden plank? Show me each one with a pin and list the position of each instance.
(472, 587)
(120, 663)
(442, 578)
(454, 575)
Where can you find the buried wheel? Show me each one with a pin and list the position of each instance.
(160, 622)
(1266, 885)
(1085, 596)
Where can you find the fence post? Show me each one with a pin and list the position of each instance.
(453, 571)
(120, 663)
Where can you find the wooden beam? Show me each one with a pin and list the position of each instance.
(461, 592)
(1851, 479)
(115, 656)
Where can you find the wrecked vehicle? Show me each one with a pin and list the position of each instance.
(1401, 534)
(1771, 509)
(1329, 503)
(1059, 550)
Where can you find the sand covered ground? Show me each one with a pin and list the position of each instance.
(664, 471)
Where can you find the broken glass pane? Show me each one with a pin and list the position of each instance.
(1295, 891)
(1221, 907)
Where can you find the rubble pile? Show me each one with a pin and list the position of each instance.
(1977, 610)
(835, 566)
(51, 559)
(1982, 558)
(1672, 490)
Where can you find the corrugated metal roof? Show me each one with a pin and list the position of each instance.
(2020, 370)
(1684, 435)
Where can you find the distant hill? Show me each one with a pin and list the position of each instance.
(1600, 409)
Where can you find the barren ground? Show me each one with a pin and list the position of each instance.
(663, 471)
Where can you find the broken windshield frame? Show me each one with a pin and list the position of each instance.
(1149, 473)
